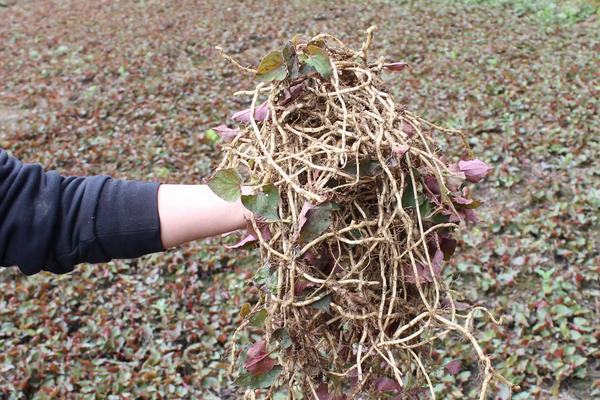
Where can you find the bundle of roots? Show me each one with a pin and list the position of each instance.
(354, 212)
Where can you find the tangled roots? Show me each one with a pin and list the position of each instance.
(355, 209)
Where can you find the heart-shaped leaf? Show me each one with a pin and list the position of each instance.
(291, 60)
(283, 337)
(226, 133)
(453, 367)
(272, 68)
(317, 43)
(265, 279)
(226, 184)
(408, 196)
(400, 150)
(317, 221)
(387, 385)
(448, 246)
(366, 167)
(264, 203)
(319, 60)
(258, 361)
(258, 319)
(292, 94)
(245, 310)
(395, 66)
(243, 242)
(302, 217)
(322, 304)
(474, 170)
(261, 113)
(212, 137)
(261, 381)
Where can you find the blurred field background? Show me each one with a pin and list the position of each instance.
(130, 88)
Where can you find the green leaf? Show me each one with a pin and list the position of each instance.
(473, 205)
(319, 59)
(318, 220)
(283, 337)
(322, 304)
(226, 184)
(439, 218)
(306, 69)
(212, 137)
(258, 319)
(425, 206)
(265, 203)
(272, 67)
(242, 360)
(245, 310)
(560, 311)
(265, 279)
(317, 43)
(261, 381)
(365, 167)
(408, 196)
(291, 60)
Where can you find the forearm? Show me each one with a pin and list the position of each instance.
(50, 222)
(190, 212)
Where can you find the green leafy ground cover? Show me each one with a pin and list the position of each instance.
(130, 88)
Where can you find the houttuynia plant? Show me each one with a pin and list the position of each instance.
(355, 211)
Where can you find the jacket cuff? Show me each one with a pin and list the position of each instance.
(127, 222)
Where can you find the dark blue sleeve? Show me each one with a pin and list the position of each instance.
(50, 222)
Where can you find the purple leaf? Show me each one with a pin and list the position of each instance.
(462, 200)
(226, 133)
(432, 184)
(261, 113)
(321, 258)
(258, 361)
(395, 66)
(409, 275)
(252, 236)
(401, 150)
(263, 227)
(302, 217)
(353, 375)
(448, 246)
(408, 128)
(453, 367)
(265, 231)
(423, 272)
(474, 170)
(464, 214)
(292, 94)
(318, 220)
(301, 285)
(455, 180)
(247, 239)
(387, 385)
(458, 305)
(323, 392)
(469, 215)
(437, 261)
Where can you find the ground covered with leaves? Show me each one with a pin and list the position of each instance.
(131, 89)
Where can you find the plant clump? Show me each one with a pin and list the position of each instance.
(354, 212)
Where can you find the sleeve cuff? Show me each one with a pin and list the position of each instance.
(127, 221)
